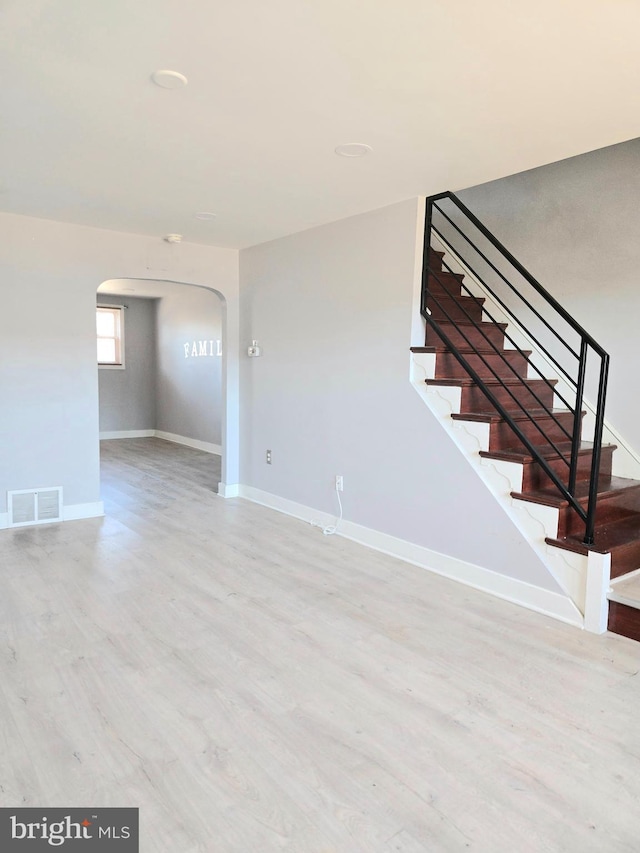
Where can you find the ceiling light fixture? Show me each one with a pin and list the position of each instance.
(173, 238)
(353, 149)
(205, 216)
(169, 79)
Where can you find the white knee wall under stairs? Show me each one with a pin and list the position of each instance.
(585, 580)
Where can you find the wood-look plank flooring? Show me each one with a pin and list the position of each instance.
(254, 686)
(627, 589)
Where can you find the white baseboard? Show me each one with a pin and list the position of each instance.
(535, 598)
(207, 446)
(127, 433)
(73, 512)
(228, 490)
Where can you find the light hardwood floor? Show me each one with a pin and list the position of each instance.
(627, 590)
(254, 686)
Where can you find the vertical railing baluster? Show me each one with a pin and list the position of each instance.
(597, 448)
(426, 259)
(577, 418)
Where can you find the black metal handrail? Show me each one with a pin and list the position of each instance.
(555, 314)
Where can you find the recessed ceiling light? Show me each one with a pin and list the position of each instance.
(205, 216)
(128, 290)
(353, 149)
(169, 79)
(173, 238)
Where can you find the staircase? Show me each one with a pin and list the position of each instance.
(528, 421)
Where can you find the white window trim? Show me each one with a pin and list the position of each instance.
(122, 347)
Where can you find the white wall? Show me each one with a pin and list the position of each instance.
(576, 226)
(49, 273)
(331, 308)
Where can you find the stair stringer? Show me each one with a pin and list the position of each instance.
(534, 521)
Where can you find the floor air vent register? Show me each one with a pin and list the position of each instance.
(34, 506)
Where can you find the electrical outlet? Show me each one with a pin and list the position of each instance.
(339, 483)
(268, 457)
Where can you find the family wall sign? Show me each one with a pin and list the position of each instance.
(200, 349)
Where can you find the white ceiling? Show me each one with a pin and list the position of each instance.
(449, 93)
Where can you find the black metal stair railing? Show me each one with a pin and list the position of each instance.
(522, 298)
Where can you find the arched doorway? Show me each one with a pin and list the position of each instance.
(170, 384)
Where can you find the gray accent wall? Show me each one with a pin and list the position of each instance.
(128, 396)
(330, 394)
(189, 375)
(575, 225)
(172, 378)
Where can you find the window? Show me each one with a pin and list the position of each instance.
(110, 330)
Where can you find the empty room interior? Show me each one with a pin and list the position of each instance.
(319, 432)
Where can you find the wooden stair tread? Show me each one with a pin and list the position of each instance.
(480, 323)
(439, 274)
(462, 382)
(606, 488)
(435, 295)
(436, 348)
(607, 537)
(496, 417)
(548, 453)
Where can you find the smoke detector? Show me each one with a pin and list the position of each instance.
(173, 238)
